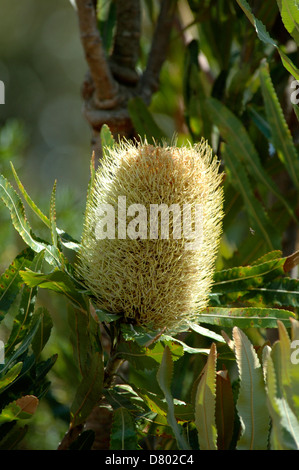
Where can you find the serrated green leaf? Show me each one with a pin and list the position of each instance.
(246, 317)
(252, 399)
(205, 404)
(282, 292)
(258, 217)
(164, 377)
(242, 278)
(65, 239)
(10, 376)
(289, 422)
(280, 133)
(57, 281)
(123, 433)
(284, 431)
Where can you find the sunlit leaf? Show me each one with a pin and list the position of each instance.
(123, 433)
(280, 134)
(205, 404)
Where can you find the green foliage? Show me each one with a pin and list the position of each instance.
(146, 399)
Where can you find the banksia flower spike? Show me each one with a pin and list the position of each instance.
(151, 233)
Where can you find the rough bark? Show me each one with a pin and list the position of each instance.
(112, 81)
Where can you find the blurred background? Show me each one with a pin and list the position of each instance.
(44, 134)
(42, 127)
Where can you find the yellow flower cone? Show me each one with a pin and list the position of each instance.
(154, 273)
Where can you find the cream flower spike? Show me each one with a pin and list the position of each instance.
(151, 234)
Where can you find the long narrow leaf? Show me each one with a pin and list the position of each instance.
(252, 399)
(257, 215)
(12, 200)
(246, 317)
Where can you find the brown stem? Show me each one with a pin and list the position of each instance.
(105, 86)
(150, 79)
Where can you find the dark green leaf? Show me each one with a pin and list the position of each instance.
(123, 433)
(246, 317)
(12, 200)
(290, 16)
(280, 133)
(205, 404)
(252, 400)
(84, 441)
(89, 391)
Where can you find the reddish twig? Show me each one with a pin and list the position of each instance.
(106, 89)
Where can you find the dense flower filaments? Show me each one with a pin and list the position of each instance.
(151, 233)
